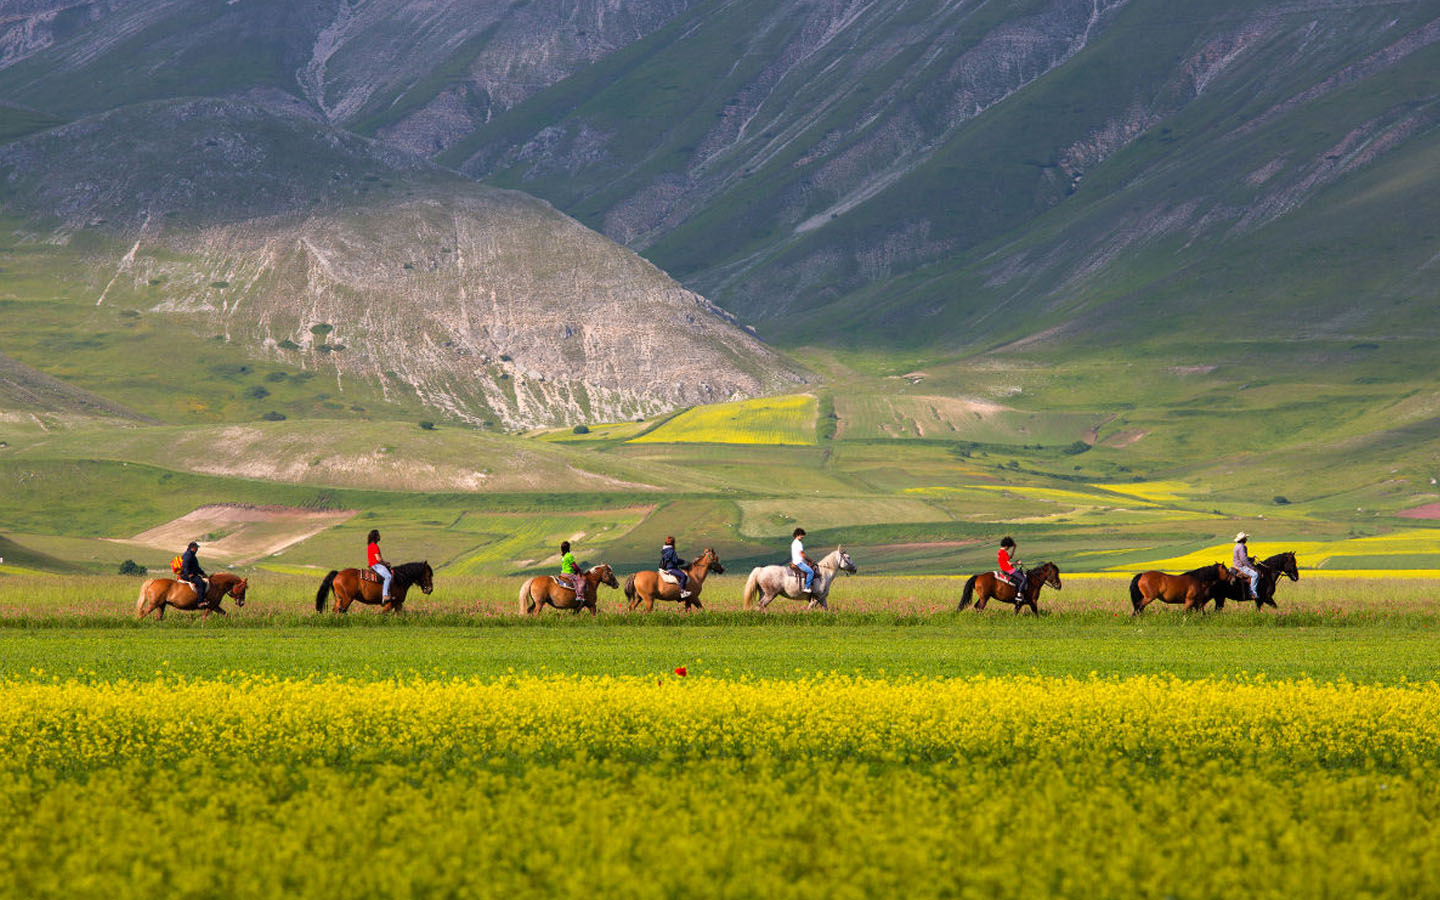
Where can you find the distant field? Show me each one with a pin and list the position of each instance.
(769, 420)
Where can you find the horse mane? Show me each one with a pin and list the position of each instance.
(1273, 562)
(409, 571)
(1204, 573)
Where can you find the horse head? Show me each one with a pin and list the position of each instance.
(604, 575)
(1051, 574)
(426, 580)
(1221, 572)
(712, 561)
(237, 590)
(1288, 566)
(838, 560)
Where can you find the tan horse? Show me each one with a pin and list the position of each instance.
(544, 590)
(987, 585)
(350, 587)
(647, 587)
(158, 593)
(1192, 589)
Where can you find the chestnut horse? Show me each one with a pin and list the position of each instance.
(987, 585)
(543, 590)
(348, 587)
(1192, 588)
(158, 593)
(646, 586)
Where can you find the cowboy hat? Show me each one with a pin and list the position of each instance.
(1241, 536)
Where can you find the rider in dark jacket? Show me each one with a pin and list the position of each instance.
(671, 562)
(190, 571)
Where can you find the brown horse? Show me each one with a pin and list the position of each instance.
(158, 593)
(543, 590)
(349, 587)
(646, 586)
(1192, 589)
(987, 585)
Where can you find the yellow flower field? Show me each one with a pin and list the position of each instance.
(1409, 542)
(767, 420)
(837, 786)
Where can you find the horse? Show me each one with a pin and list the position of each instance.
(1192, 589)
(158, 593)
(349, 587)
(646, 586)
(1238, 588)
(987, 585)
(783, 581)
(540, 590)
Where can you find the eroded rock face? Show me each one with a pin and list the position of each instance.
(322, 249)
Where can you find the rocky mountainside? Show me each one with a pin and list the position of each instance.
(319, 249)
(954, 175)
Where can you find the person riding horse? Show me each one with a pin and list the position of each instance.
(799, 560)
(191, 572)
(1010, 567)
(570, 570)
(378, 565)
(1244, 563)
(671, 562)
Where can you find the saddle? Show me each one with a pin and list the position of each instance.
(666, 577)
(564, 582)
(192, 586)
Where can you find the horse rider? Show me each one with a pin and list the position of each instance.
(1010, 567)
(378, 565)
(570, 571)
(799, 560)
(1244, 563)
(191, 572)
(671, 562)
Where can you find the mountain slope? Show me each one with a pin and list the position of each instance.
(318, 249)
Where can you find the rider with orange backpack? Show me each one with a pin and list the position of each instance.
(191, 573)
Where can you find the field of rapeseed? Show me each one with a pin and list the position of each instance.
(698, 786)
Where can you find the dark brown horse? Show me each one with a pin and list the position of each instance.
(544, 590)
(350, 587)
(987, 586)
(158, 593)
(647, 587)
(1238, 587)
(1192, 589)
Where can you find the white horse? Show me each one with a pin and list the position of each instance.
(782, 581)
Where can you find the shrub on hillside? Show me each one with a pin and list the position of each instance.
(581, 429)
(131, 567)
(427, 426)
(273, 416)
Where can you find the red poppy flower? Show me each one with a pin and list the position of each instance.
(680, 670)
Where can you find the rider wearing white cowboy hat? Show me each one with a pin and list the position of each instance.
(1243, 563)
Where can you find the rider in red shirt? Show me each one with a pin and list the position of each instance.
(1009, 562)
(378, 565)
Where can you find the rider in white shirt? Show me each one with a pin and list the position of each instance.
(800, 560)
(1242, 563)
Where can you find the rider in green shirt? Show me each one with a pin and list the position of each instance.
(569, 567)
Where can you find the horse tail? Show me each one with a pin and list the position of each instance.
(1136, 598)
(525, 597)
(325, 587)
(752, 587)
(630, 588)
(967, 594)
(140, 601)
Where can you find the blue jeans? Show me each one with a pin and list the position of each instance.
(809, 574)
(386, 576)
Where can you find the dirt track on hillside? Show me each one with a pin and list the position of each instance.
(239, 533)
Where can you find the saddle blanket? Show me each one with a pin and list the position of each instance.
(371, 576)
(192, 587)
(563, 581)
(666, 577)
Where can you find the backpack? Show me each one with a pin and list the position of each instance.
(176, 565)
